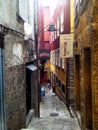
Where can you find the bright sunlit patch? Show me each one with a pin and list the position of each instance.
(45, 3)
(51, 3)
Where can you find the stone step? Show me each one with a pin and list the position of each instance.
(29, 117)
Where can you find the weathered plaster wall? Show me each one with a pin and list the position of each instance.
(15, 97)
(83, 36)
(95, 64)
(8, 14)
(15, 58)
(16, 55)
(86, 34)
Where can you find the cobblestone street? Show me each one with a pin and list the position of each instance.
(53, 115)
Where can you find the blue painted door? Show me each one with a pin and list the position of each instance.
(2, 94)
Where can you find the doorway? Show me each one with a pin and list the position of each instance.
(44, 78)
(28, 90)
(31, 92)
(2, 89)
(87, 87)
(77, 86)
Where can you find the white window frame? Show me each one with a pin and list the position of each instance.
(58, 26)
(59, 60)
(63, 63)
(56, 57)
(62, 21)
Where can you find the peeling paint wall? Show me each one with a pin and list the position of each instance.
(15, 58)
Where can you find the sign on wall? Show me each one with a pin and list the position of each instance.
(66, 45)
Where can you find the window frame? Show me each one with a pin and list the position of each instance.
(58, 26)
(63, 88)
(62, 21)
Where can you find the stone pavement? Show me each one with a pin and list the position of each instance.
(53, 115)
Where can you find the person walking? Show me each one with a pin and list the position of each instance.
(48, 84)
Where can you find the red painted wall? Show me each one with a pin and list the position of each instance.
(40, 23)
(57, 12)
(46, 22)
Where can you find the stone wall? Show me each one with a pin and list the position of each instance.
(86, 34)
(15, 97)
(16, 54)
(70, 82)
(15, 57)
(95, 64)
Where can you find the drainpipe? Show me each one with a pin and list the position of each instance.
(36, 47)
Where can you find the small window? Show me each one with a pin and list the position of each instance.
(59, 61)
(62, 22)
(56, 80)
(63, 63)
(53, 57)
(58, 26)
(59, 83)
(55, 33)
(56, 58)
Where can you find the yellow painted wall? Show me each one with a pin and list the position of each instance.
(47, 68)
(59, 72)
(72, 14)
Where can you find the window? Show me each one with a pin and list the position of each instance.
(55, 33)
(58, 26)
(59, 61)
(63, 63)
(62, 22)
(23, 10)
(59, 83)
(51, 56)
(56, 57)
(63, 88)
(56, 80)
(52, 37)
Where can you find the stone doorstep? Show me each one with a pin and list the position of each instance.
(29, 129)
(29, 117)
(25, 129)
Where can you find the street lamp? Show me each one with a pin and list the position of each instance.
(52, 28)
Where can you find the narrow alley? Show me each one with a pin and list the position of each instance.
(49, 42)
(54, 115)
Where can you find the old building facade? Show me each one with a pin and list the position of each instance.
(16, 56)
(86, 63)
(44, 36)
(61, 65)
